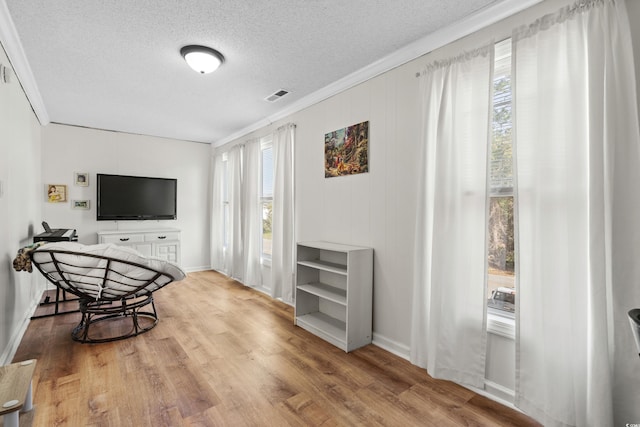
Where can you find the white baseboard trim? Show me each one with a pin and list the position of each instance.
(497, 391)
(391, 346)
(12, 346)
(196, 269)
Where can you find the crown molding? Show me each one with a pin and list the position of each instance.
(472, 23)
(13, 48)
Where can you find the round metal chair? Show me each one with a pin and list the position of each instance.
(112, 283)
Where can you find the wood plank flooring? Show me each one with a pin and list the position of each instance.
(226, 355)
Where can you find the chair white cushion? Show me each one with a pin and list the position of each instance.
(127, 270)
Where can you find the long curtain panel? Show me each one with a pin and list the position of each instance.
(577, 163)
(283, 249)
(252, 226)
(217, 212)
(448, 322)
(234, 258)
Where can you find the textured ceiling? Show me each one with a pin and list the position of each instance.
(115, 65)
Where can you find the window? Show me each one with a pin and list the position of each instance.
(501, 249)
(266, 196)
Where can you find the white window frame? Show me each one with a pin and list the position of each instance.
(499, 322)
(265, 143)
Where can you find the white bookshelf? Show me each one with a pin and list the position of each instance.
(334, 292)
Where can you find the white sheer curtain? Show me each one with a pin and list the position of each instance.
(234, 259)
(448, 321)
(576, 127)
(252, 225)
(283, 249)
(217, 213)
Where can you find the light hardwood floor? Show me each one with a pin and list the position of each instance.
(225, 355)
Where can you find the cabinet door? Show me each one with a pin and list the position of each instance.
(145, 249)
(167, 251)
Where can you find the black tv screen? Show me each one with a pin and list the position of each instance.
(123, 197)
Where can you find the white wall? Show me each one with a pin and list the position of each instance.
(68, 149)
(20, 209)
(376, 209)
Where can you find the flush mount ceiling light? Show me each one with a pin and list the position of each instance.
(201, 58)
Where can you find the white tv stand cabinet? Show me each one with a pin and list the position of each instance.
(158, 242)
(334, 293)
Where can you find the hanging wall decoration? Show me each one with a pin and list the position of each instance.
(346, 150)
(81, 179)
(56, 193)
(80, 204)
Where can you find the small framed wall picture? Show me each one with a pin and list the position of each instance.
(80, 204)
(81, 179)
(56, 193)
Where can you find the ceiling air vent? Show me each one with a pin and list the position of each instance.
(274, 97)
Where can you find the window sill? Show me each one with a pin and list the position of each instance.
(501, 324)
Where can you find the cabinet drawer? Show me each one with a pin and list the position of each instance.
(123, 238)
(161, 237)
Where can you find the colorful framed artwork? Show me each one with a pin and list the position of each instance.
(346, 151)
(56, 193)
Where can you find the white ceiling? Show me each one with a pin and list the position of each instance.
(115, 65)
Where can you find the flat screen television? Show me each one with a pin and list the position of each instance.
(122, 198)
